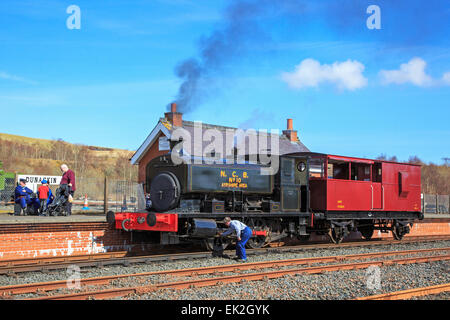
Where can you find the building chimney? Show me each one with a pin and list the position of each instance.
(290, 133)
(174, 117)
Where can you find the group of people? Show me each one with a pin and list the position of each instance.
(23, 195)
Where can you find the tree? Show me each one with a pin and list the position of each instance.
(393, 159)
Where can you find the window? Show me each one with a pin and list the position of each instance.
(316, 168)
(360, 171)
(338, 169)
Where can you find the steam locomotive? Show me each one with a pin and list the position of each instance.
(310, 193)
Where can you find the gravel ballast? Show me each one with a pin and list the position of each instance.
(333, 285)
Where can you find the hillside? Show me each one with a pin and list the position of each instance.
(40, 156)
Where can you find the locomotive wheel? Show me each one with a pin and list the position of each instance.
(336, 234)
(366, 231)
(398, 232)
(259, 241)
(216, 245)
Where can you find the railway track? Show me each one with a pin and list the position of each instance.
(407, 294)
(119, 258)
(9, 291)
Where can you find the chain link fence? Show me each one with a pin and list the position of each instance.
(100, 195)
(7, 186)
(125, 196)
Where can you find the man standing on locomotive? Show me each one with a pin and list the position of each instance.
(243, 233)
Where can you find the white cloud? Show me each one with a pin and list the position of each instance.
(310, 73)
(7, 76)
(410, 72)
(446, 78)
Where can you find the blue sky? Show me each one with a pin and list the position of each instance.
(363, 93)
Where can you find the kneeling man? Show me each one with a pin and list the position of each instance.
(243, 233)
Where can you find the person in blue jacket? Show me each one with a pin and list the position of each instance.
(243, 233)
(22, 194)
(51, 197)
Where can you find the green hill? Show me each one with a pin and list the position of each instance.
(40, 156)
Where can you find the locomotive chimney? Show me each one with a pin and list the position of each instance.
(174, 117)
(290, 133)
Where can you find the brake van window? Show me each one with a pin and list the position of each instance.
(338, 169)
(360, 171)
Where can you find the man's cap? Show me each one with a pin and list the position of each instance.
(23, 180)
(43, 181)
(226, 219)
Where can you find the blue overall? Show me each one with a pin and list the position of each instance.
(22, 196)
(240, 245)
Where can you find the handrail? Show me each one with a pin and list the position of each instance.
(371, 186)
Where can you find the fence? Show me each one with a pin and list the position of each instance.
(7, 186)
(101, 195)
(438, 204)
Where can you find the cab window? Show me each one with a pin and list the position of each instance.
(316, 168)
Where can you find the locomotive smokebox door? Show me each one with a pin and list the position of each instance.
(165, 191)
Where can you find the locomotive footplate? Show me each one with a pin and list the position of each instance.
(169, 222)
(261, 215)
